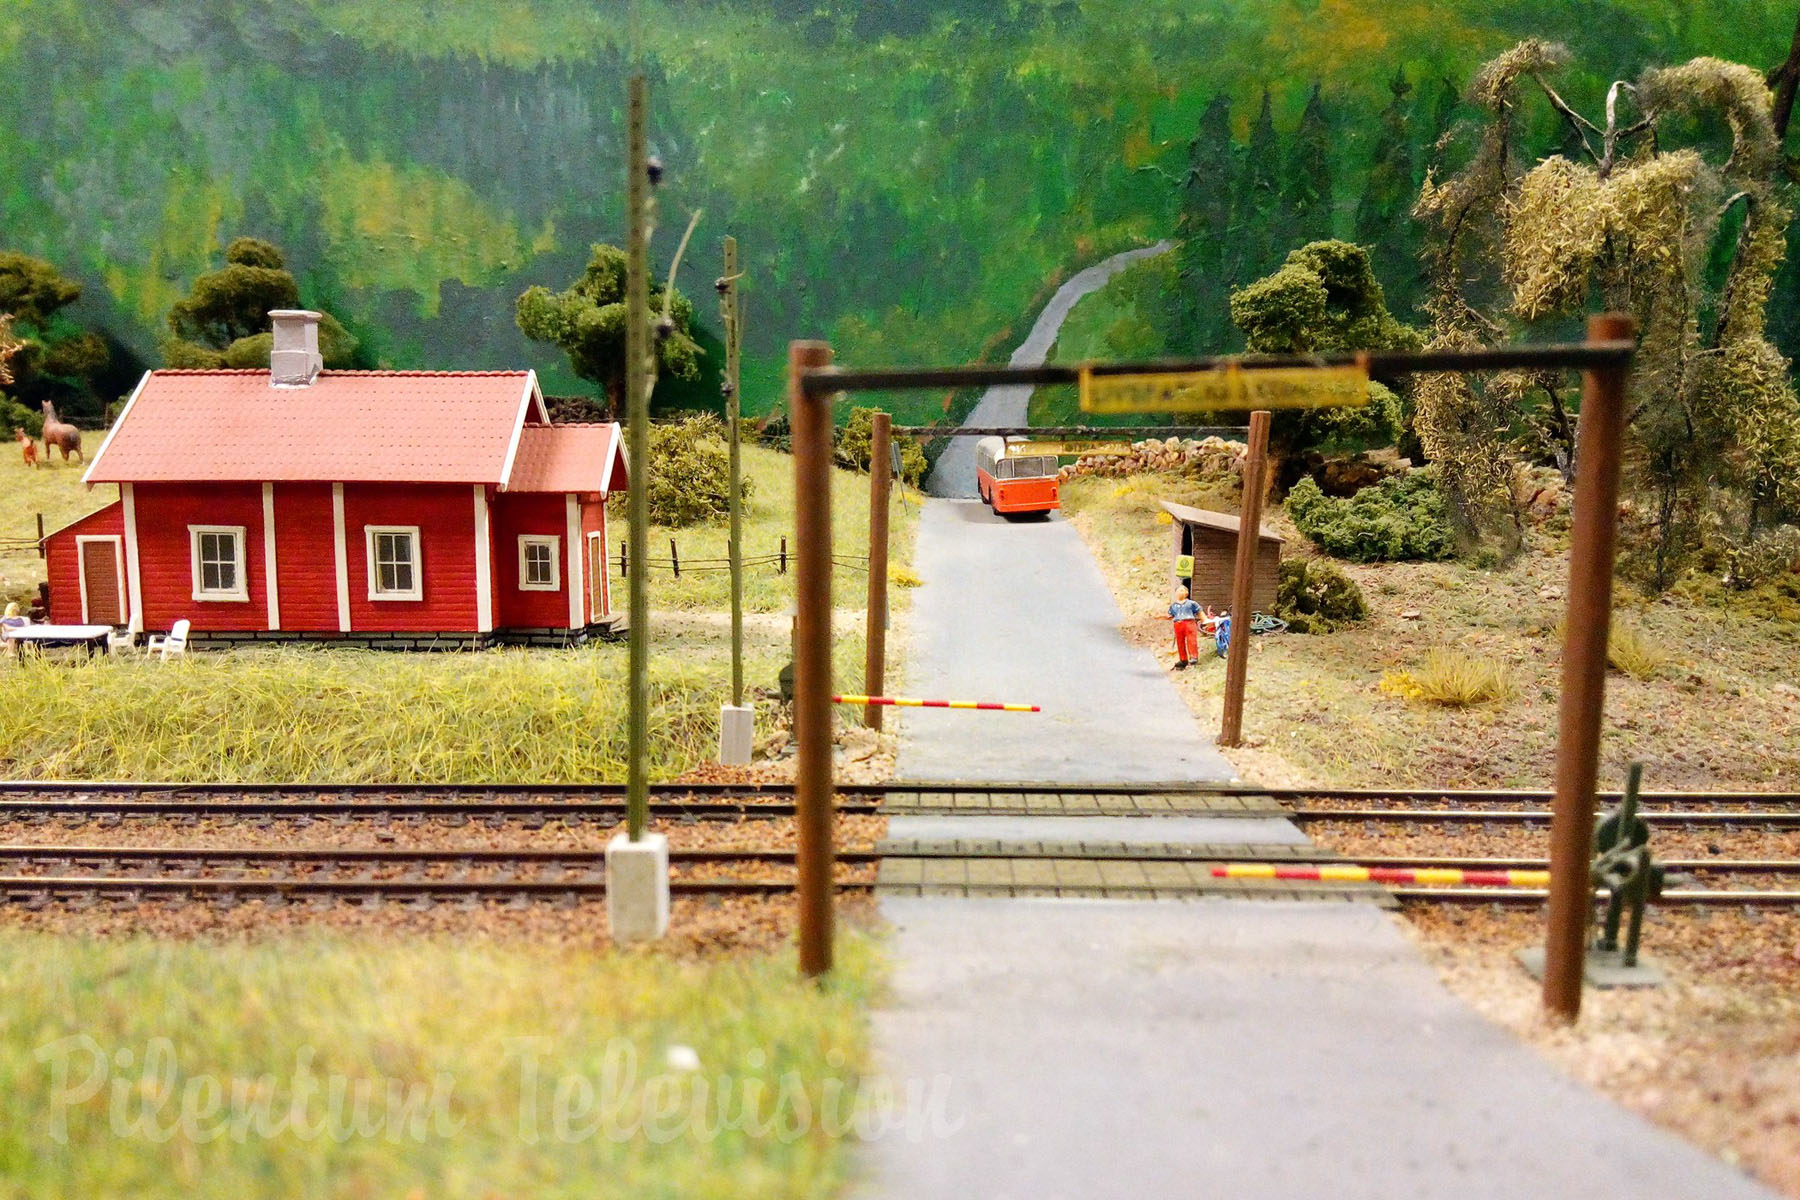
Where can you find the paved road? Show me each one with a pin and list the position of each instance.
(954, 474)
(1017, 611)
(1229, 1050)
(1224, 1049)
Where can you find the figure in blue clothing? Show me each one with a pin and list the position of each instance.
(1186, 616)
(1222, 635)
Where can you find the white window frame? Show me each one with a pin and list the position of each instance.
(417, 592)
(238, 595)
(554, 542)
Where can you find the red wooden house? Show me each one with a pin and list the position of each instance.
(391, 508)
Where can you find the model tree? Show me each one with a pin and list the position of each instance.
(224, 320)
(587, 320)
(1636, 223)
(55, 360)
(1325, 299)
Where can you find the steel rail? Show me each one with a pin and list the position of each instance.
(18, 888)
(1447, 895)
(1447, 816)
(557, 809)
(383, 854)
(827, 381)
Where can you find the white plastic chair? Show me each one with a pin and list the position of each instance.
(120, 639)
(170, 645)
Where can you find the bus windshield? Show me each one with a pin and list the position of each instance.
(1037, 466)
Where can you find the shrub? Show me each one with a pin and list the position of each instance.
(690, 470)
(1452, 679)
(851, 447)
(1402, 517)
(1317, 597)
(776, 433)
(15, 415)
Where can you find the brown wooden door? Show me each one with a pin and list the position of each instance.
(596, 579)
(100, 583)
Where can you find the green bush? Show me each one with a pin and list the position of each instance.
(1402, 517)
(1316, 597)
(690, 471)
(15, 415)
(851, 447)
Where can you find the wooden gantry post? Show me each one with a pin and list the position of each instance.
(1243, 580)
(811, 416)
(881, 481)
(1586, 630)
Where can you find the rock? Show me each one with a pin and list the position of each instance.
(1409, 614)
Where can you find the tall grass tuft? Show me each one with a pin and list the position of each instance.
(1451, 678)
(1634, 652)
(346, 716)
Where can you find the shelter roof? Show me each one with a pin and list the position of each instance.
(1207, 519)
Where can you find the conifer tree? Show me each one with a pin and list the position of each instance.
(1306, 191)
(1384, 212)
(1256, 204)
(1201, 300)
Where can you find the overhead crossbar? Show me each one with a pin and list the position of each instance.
(1569, 356)
(1070, 431)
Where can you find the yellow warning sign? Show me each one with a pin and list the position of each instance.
(1228, 387)
(1026, 449)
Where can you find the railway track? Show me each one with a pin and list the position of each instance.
(35, 874)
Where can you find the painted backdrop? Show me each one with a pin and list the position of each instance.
(908, 178)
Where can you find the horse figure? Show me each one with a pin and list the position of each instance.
(66, 438)
(28, 447)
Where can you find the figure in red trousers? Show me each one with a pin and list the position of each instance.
(1186, 616)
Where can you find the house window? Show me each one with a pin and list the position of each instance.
(394, 572)
(218, 562)
(540, 564)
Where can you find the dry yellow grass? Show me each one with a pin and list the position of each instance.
(1451, 678)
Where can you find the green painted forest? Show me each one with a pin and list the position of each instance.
(907, 178)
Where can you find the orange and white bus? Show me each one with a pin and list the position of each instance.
(1016, 484)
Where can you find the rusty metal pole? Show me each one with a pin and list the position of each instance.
(1243, 581)
(639, 378)
(811, 416)
(881, 482)
(1589, 621)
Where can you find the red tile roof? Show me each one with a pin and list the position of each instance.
(346, 427)
(567, 458)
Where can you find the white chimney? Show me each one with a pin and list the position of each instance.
(294, 360)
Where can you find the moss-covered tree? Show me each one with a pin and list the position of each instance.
(223, 321)
(1325, 299)
(587, 321)
(1631, 224)
(56, 359)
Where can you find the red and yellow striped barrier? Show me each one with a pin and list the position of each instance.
(1446, 876)
(905, 702)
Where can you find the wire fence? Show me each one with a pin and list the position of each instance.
(678, 565)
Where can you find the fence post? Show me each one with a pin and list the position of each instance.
(675, 558)
(1586, 628)
(42, 552)
(783, 570)
(1243, 581)
(881, 481)
(811, 416)
(624, 563)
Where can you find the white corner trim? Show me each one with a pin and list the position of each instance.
(572, 516)
(484, 560)
(133, 589)
(612, 460)
(412, 594)
(88, 474)
(518, 428)
(81, 539)
(342, 553)
(269, 583)
(239, 594)
(554, 542)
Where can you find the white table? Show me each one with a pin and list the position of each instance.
(91, 636)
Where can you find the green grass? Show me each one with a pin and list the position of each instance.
(768, 518)
(274, 714)
(515, 1057)
(56, 492)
